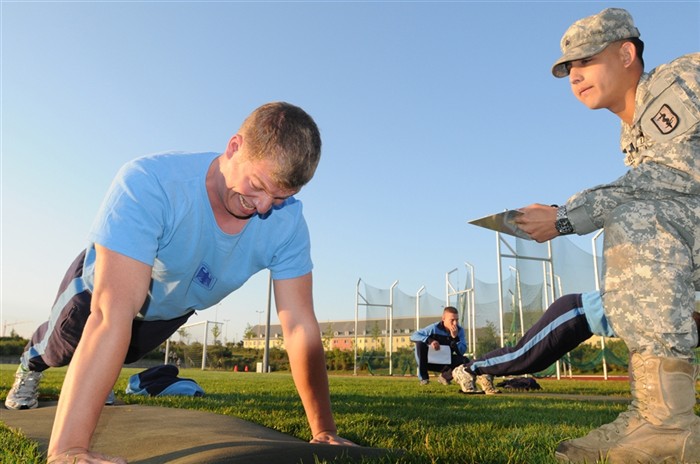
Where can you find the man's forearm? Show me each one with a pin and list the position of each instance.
(308, 363)
(91, 375)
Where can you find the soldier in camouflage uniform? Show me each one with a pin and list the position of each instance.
(651, 218)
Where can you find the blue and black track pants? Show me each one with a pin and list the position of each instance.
(560, 329)
(54, 342)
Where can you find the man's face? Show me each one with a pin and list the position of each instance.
(450, 320)
(250, 188)
(596, 81)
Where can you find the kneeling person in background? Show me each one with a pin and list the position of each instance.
(444, 335)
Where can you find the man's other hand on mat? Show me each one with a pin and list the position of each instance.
(83, 456)
(331, 438)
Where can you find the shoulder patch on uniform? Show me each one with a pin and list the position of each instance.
(666, 120)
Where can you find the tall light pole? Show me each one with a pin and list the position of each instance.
(226, 321)
(266, 352)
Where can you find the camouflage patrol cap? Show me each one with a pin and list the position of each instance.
(590, 35)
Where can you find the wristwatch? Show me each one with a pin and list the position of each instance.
(563, 224)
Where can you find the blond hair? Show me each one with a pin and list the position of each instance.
(286, 135)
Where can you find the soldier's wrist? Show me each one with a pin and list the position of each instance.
(562, 223)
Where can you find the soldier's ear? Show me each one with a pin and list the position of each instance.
(627, 53)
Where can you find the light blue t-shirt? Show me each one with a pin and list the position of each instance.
(157, 211)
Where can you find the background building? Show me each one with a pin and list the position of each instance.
(372, 334)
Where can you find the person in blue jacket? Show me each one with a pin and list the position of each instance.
(444, 335)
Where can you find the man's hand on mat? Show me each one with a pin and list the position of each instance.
(83, 456)
(330, 438)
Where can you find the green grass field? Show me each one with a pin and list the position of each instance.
(431, 424)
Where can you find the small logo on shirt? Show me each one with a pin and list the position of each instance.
(665, 120)
(204, 277)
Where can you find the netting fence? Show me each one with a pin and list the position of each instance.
(191, 344)
(530, 277)
(388, 315)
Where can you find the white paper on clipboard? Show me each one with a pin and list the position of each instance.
(441, 356)
(502, 222)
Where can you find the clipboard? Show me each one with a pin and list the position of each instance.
(502, 222)
(441, 356)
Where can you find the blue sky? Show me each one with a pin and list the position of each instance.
(431, 113)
